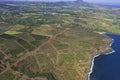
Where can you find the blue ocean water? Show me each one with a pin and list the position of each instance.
(107, 67)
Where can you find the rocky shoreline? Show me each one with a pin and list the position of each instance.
(105, 50)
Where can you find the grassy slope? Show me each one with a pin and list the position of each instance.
(66, 56)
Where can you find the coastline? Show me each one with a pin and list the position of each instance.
(98, 54)
(91, 68)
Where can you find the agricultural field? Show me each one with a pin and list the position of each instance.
(67, 51)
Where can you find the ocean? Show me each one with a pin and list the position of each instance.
(107, 67)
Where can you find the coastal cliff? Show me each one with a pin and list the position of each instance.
(104, 49)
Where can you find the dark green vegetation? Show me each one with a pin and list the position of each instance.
(52, 41)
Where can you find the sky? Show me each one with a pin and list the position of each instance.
(91, 1)
(103, 1)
